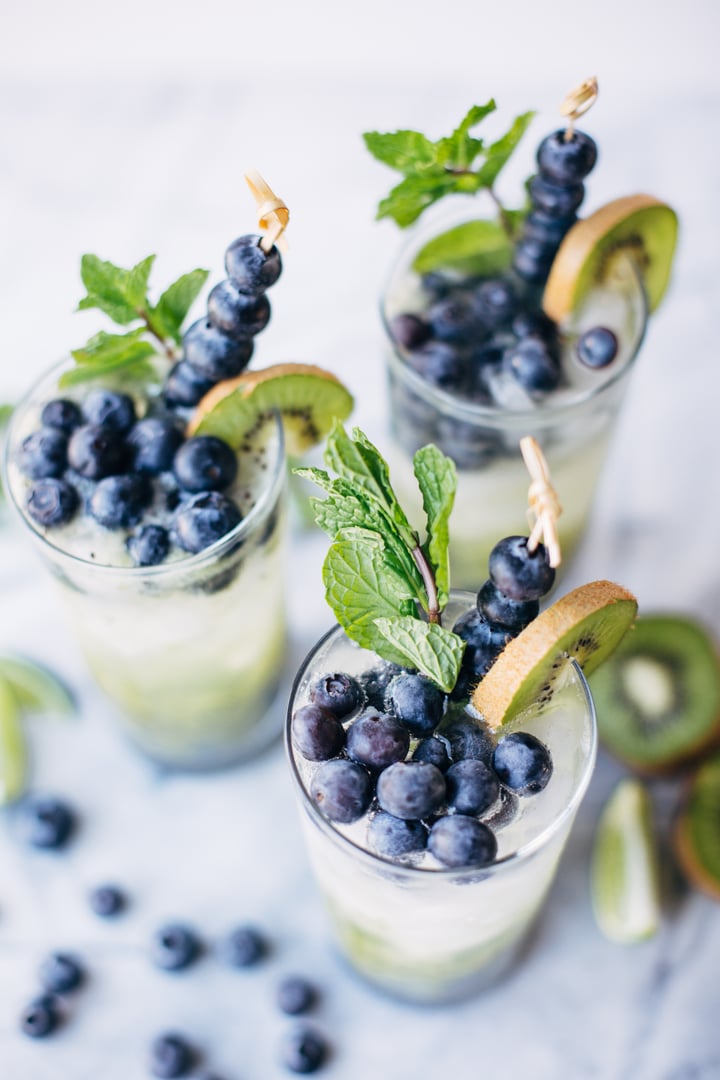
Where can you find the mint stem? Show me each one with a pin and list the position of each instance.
(429, 582)
(505, 220)
(167, 349)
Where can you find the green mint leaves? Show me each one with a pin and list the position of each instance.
(123, 296)
(460, 163)
(385, 587)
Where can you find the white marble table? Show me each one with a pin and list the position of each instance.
(123, 169)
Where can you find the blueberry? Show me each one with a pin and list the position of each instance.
(252, 269)
(295, 995)
(496, 302)
(149, 546)
(512, 615)
(95, 451)
(244, 947)
(547, 228)
(566, 161)
(532, 363)
(484, 642)
(518, 572)
(43, 454)
(60, 974)
(317, 733)
(375, 682)
(106, 408)
(523, 764)
(342, 790)
(411, 789)
(338, 692)
(214, 354)
(47, 822)
(174, 947)
(556, 200)
(458, 840)
(433, 751)
(171, 1055)
(468, 740)
(534, 324)
(62, 414)
(107, 901)
(437, 284)
(409, 331)
(153, 442)
(393, 837)
(440, 363)
(377, 740)
(204, 520)
(40, 1017)
(185, 385)
(118, 501)
(457, 319)
(597, 348)
(303, 1050)
(532, 259)
(52, 502)
(417, 702)
(236, 313)
(205, 463)
(472, 787)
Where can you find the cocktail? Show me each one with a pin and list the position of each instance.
(440, 765)
(526, 323)
(150, 472)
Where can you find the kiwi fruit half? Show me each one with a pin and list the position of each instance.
(587, 625)
(307, 397)
(639, 225)
(697, 832)
(658, 697)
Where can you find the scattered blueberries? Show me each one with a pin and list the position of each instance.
(417, 702)
(107, 901)
(62, 414)
(40, 1018)
(522, 763)
(51, 502)
(338, 692)
(468, 740)
(394, 837)
(597, 348)
(149, 546)
(171, 1055)
(61, 973)
(204, 463)
(316, 733)
(533, 364)
(295, 995)
(472, 787)
(95, 452)
(433, 751)
(411, 789)
(342, 790)
(377, 740)
(153, 442)
(118, 501)
(244, 947)
(204, 520)
(175, 947)
(108, 409)
(457, 840)
(43, 454)
(303, 1050)
(47, 822)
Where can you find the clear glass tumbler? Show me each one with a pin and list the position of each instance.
(191, 650)
(431, 934)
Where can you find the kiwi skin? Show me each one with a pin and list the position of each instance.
(696, 835)
(687, 652)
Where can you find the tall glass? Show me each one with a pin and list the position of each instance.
(191, 650)
(433, 935)
(573, 424)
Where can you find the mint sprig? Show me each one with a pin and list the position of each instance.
(122, 294)
(386, 587)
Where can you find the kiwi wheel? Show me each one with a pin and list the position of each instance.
(639, 225)
(308, 399)
(586, 625)
(696, 837)
(658, 696)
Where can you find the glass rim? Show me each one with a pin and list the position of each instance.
(377, 862)
(189, 563)
(547, 411)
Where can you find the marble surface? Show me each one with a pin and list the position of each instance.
(123, 168)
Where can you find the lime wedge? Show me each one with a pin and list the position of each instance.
(624, 874)
(36, 689)
(13, 757)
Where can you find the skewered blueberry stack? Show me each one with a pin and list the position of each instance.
(219, 345)
(393, 746)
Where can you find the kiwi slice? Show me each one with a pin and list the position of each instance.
(624, 868)
(639, 225)
(307, 397)
(696, 836)
(658, 698)
(586, 625)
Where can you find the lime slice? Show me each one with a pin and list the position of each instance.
(13, 756)
(307, 397)
(624, 875)
(36, 689)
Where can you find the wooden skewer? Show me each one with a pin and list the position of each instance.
(577, 102)
(273, 214)
(544, 505)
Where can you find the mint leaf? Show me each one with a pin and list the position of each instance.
(359, 587)
(437, 480)
(136, 282)
(430, 648)
(406, 151)
(174, 304)
(119, 293)
(109, 352)
(415, 193)
(497, 155)
(459, 150)
(475, 248)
